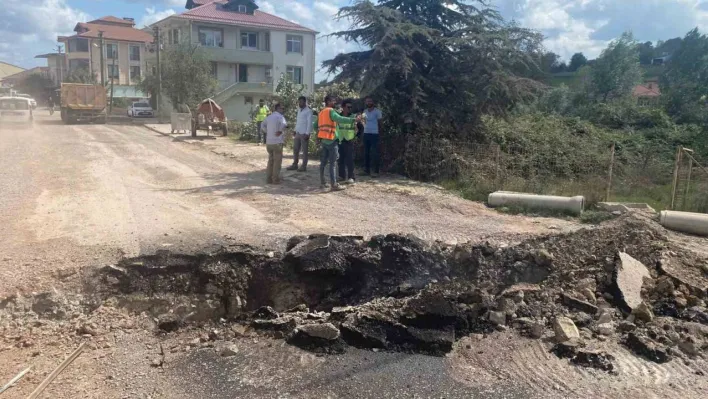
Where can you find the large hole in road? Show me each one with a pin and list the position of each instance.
(400, 293)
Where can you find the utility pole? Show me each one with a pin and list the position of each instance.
(113, 73)
(156, 31)
(61, 66)
(103, 67)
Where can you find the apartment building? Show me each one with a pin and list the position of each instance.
(249, 49)
(124, 50)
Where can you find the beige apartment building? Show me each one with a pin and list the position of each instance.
(249, 50)
(124, 51)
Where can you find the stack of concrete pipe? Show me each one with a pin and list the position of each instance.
(573, 205)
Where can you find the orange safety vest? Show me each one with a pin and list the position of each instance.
(325, 125)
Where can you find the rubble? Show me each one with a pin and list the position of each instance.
(565, 329)
(398, 293)
(629, 277)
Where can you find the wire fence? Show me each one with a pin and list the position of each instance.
(602, 172)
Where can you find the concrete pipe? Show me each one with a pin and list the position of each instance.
(685, 222)
(572, 205)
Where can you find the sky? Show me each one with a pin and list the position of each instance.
(30, 27)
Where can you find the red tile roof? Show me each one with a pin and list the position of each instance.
(112, 32)
(646, 90)
(213, 12)
(113, 20)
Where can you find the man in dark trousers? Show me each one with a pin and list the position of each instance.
(348, 134)
(372, 128)
(327, 127)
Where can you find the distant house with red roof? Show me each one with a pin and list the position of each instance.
(249, 49)
(647, 93)
(124, 51)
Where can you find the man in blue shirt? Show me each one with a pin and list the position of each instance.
(372, 127)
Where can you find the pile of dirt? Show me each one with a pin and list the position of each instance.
(622, 281)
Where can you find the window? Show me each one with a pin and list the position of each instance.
(294, 44)
(214, 69)
(248, 100)
(78, 63)
(295, 74)
(113, 71)
(242, 9)
(173, 36)
(78, 46)
(267, 41)
(211, 37)
(242, 73)
(111, 51)
(249, 40)
(135, 74)
(135, 53)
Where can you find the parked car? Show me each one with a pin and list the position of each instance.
(140, 108)
(33, 103)
(15, 110)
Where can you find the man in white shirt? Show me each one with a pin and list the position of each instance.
(274, 127)
(303, 129)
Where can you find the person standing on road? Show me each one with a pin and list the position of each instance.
(348, 134)
(326, 126)
(262, 113)
(372, 128)
(303, 128)
(274, 128)
(50, 104)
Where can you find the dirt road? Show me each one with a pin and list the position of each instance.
(82, 195)
(76, 198)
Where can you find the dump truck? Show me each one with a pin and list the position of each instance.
(83, 102)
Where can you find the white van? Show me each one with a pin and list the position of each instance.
(15, 110)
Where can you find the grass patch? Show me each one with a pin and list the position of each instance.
(595, 217)
(535, 212)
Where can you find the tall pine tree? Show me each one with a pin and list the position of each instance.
(437, 60)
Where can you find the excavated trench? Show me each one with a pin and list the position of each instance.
(400, 293)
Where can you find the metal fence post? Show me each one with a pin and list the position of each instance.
(609, 173)
(677, 164)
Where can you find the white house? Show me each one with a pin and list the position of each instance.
(249, 49)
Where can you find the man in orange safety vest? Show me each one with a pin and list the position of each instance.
(326, 126)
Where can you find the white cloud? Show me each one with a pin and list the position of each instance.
(152, 15)
(38, 22)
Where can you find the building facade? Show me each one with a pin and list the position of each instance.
(249, 50)
(123, 48)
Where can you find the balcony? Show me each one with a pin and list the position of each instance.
(218, 54)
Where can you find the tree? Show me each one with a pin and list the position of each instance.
(36, 85)
(186, 76)
(577, 61)
(80, 75)
(437, 60)
(684, 83)
(616, 72)
(668, 47)
(287, 93)
(549, 62)
(646, 53)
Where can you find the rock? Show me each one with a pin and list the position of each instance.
(266, 313)
(234, 306)
(156, 362)
(431, 310)
(589, 295)
(628, 278)
(168, 322)
(226, 349)
(664, 286)
(643, 312)
(433, 341)
(87, 329)
(536, 330)
(342, 310)
(605, 317)
(565, 329)
(294, 241)
(643, 346)
(498, 318)
(681, 302)
(543, 257)
(605, 329)
(583, 357)
(281, 324)
(317, 255)
(325, 331)
(579, 304)
(506, 305)
(299, 308)
(689, 347)
(239, 329)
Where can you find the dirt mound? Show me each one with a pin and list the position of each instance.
(400, 293)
